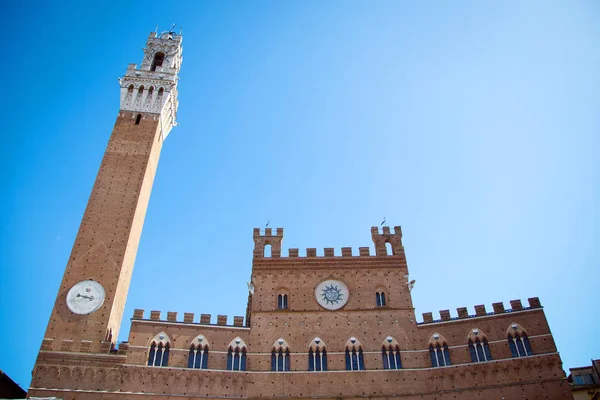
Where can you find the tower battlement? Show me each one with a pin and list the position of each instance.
(382, 238)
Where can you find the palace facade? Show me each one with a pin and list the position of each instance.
(325, 324)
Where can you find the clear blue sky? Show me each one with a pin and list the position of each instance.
(474, 125)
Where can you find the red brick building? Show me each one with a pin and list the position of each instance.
(331, 324)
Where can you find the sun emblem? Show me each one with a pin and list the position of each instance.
(331, 294)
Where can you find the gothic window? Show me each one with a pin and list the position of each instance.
(198, 355)
(158, 356)
(280, 356)
(282, 301)
(478, 346)
(317, 356)
(438, 351)
(158, 61)
(518, 341)
(138, 119)
(354, 355)
(480, 350)
(380, 298)
(236, 355)
(390, 354)
(440, 356)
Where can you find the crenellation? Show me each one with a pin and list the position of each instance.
(123, 348)
(205, 318)
(427, 317)
(293, 253)
(516, 305)
(172, 316)
(480, 310)
(188, 317)
(221, 319)
(445, 315)
(498, 308)
(138, 313)
(85, 346)
(311, 252)
(155, 315)
(66, 345)
(329, 252)
(364, 252)
(346, 251)
(534, 302)
(238, 321)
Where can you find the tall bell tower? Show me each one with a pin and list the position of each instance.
(89, 307)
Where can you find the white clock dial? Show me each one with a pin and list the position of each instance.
(85, 297)
(332, 294)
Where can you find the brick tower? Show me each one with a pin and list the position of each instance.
(89, 307)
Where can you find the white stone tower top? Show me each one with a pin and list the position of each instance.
(152, 89)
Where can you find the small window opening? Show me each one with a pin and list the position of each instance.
(389, 249)
(380, 299)
(282, 302)
(267, 251)
(138, 119)
(158, 61)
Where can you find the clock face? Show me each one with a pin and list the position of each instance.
(332, 294)
(85, 297)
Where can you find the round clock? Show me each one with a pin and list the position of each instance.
(332, 294)
(85, 297)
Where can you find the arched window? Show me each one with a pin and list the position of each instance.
(282, 301)
(236, 355)
(158, 356)
(478, 346)
(317, 356)
(440, 356)
(389, 249)
(380, 300)
(518, 341)
(130, 89)
(280, 356)
(267, 252)
(158, 61)
(141, 90)
(354, 355)
(438, 351)
(198, 356)
(138, 119)
(390, 354)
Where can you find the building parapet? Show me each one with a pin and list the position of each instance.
(188, 318)
(388, 242)
(480, 311)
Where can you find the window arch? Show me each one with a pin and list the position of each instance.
(159, 58)
(438, 351)
(282, 300)
(280, 356)
(478, 346)
(158, 356)
(518, 341)
(354, 355)
(236, 355)
(380, 299)
(390, 354)
(317, 355)
(198, 356)
(389, 249)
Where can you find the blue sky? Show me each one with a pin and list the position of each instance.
(474, 125)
